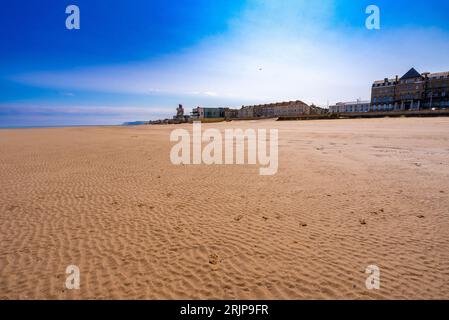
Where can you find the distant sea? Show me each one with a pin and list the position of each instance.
(134, 123)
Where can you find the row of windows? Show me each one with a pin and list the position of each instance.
(438, 85)
(435, 104)
(384, 84)
(387, 107)
(409, 97)
(389, 83)
(383, 99)
(383, 107)
(440, 77)
(353, 108)
(436, 94)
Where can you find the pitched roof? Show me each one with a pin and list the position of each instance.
(412, 73)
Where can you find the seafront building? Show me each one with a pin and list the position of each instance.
(272, 110)
(354, 106)
(246, 112)
(230, 113)
(207, 113)
(279, 109)
(413, 91)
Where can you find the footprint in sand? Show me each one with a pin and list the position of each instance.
(214, 259)
(238, 218)
(420, 216)
(362, 221)
(303, 224)
(265, 218)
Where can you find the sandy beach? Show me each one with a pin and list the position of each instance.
(347, 194)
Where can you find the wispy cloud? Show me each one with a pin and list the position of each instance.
(275, 50)
(36, 109)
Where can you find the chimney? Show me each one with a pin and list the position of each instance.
(397, 78)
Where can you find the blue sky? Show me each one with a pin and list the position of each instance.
(137, 59)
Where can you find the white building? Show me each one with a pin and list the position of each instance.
(353, 106)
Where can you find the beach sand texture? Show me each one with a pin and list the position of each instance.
(348, 194)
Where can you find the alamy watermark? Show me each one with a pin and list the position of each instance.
(373, 20)
(73, 20)
(73, 280)
(220, 150)
(373, 280)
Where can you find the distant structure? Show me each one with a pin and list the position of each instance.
(413, 91)
(180, 116)
(179, 112)
(272, 110)
(246, 112)
(353, 106)
(230, 113)
(214, 113)
(208, 113)
(279, 109)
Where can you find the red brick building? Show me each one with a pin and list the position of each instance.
(413, 91)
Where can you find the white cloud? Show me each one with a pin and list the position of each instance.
(274, 51)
